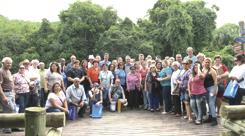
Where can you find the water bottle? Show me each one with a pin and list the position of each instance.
(211, 94)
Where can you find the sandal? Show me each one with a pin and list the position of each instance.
(172, 113)
(184, 117)
(190, 120)
(198, 122)
(177, 115)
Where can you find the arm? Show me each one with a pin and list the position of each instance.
(53, 103)
(89, 80)
(200, 74)
(4, 98)
(214, 75)
(82, 79)
(189, 88)
(101, 86)
(117, 76)
(146, 83)
(62, 84)
(45, 85)
(168, 77)
(91, 95)
(70, 79)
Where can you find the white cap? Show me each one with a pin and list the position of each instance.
(91, 57)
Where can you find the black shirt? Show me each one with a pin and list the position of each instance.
(74, 73)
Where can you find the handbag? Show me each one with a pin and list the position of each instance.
(221, 87)
(97, 111)
(72, 113)
(231, 89)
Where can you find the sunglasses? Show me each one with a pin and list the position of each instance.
(185, 63)
(152, 67)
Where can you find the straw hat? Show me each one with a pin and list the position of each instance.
(91, 57)
(24, 62)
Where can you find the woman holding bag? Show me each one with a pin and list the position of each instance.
(145, 94)
(238, 74)
(222, 74)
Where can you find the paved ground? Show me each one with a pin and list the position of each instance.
(132, 122)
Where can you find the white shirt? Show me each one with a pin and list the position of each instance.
(239, 73)
(174, 81)
(90, 64)
(35, 73)
(74, 94)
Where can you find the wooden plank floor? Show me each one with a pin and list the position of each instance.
(132, 122)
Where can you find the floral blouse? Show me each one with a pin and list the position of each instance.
(21, 83)
(184, 78)
(132, 81)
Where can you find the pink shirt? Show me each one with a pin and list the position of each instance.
(197, 85)
(21, 83)
(132, 81)
(143, 73)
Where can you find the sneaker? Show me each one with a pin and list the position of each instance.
(164, 113)
(7, 130)
(184, 117)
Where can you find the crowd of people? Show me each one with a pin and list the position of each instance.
(176, 86)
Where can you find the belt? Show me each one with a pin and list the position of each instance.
(7, 90)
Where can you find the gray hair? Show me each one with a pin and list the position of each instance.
(176, 63)
(76, 78)
(35, 60)
(127, 57)
(73, 56)
(6, 58)
(189, 48)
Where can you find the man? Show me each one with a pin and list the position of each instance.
(116, 93)
(167, 58)
(128, 64)
(132, 61)
(141, 58)
(7, 96)
(190, 55)
(149, 57)
(91, 60)
(98, 58)
(75, 72)
(42, 73)
(106, 60)
(75, 95)
(158, 58)
(70, 65)
(63, 64)
(119, 60)
(179, 59)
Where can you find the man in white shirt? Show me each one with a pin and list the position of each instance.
(91, 59)
(75, 95)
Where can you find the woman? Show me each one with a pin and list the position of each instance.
(85, 82)
(165, 80)
(114, 62)
(153, 88)
(148, 64)
(52, 77)
(133, 87)
(175, 93)
(158, 70)
(119, 60)
(137, 65)
(201, 58)
(145, 93)
(21, 88)
(56, 101)
(120, 73)
(222, 74)
(113, 71)
(210, 84)
(96, 97)
(238, 74)
(106, 81)
(93, 73)
(197, 91)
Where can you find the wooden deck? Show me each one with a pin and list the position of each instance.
(132, 122)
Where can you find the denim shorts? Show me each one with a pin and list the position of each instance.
(185, 95)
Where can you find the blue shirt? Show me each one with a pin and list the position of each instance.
(64, 78)
(102, 62)
(194, 58)
(121, 75)
(163, 74)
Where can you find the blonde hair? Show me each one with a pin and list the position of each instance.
(208, 59)
(201, 55)
(166, 62)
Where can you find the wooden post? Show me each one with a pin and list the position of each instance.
(228, 133)
(35, 121)
(55, 131)
(237, 126)
(233, 112)
(241, 26)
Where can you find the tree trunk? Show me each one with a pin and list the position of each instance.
(35, 121)
(233, 112)
(237, 126)
(54, 119)
(228, 133)
(55, 131)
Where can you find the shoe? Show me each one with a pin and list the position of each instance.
(164, 113)
(90, 115)
(152, 110)
(7, 130)
(214, 122)
(208, 120)
(198, 123)
(184, 117)
(17, 129)
(137, 109)
(177, 115)
(158, 110)
(148, 109)
(145, 108)
(172, 113)
(190, 121)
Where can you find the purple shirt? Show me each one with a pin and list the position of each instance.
(132, 81)
(184, 78)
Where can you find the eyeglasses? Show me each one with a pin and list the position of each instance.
(21, 68)
(132, 69)
(152, 67)
(185, 63)
(207, 62)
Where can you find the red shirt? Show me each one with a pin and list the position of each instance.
(142, 73)
(93, 74)
(197, 85)
(224, 68)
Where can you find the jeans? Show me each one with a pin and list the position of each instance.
(177, 104)
(22, 100)
(161, 97)
(211, 101)
(185, 95)
(146, 98)
(51, 109)
(10, 107)
(154, 99)
(133, 98)
(166, 91)
(83, 109)
(238, 98)
(105, 98)
(44, 97)
(196, 105)
(33, 100)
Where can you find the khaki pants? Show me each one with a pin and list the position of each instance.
(10, 107)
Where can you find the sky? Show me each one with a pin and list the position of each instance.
(35, 10)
